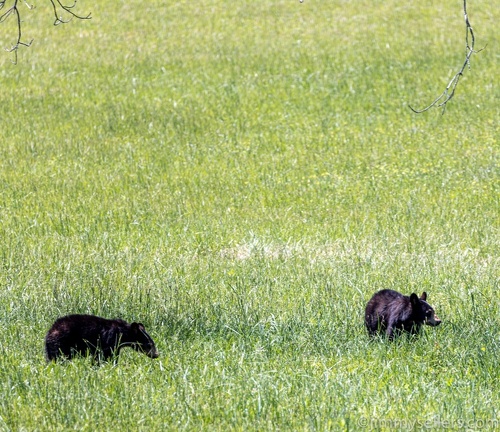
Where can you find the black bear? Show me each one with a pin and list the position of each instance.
(99, 337)
(391, 312)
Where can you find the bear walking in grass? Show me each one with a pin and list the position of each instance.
(392, 312)
(99, 337)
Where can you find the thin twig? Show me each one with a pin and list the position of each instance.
(449, 91)
(14, 10)
(67, 9)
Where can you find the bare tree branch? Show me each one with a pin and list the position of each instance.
(60, 10)
(449, 91)
(13, 10)
(67, 9)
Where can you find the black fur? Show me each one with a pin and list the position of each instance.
(96, 336)
(392, 312)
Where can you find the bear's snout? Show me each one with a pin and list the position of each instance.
(153, 353)
(433, 321)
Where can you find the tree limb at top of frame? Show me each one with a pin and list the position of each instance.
(449, 91)
(62, 14)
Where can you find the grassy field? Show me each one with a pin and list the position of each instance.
(241, 177)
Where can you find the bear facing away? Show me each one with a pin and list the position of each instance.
(96, 336)
(390, 311)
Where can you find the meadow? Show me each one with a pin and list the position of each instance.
(241, 177)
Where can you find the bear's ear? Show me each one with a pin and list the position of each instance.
(423, 296)
(414, 299)
(135, 326)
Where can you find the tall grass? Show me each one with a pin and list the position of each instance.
(241, 177)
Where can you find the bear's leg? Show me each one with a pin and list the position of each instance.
(390, 331)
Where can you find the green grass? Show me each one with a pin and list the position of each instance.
(241, 177)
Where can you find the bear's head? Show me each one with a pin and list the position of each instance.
(142, 341)
(424, 310)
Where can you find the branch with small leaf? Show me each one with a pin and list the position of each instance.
(63, 13)
(449, 91)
